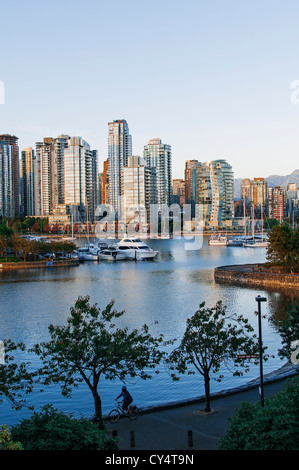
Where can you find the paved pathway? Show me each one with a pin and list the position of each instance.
(168, 429)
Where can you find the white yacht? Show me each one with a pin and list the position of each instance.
(136, 249)
(218, 240)
(112, 254)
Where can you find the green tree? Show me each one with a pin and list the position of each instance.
(5, 231)
(4, 245)
(21, 246)
(16, 381)
(67, 247)
(28, 223)
(271, 223)
(271, 427)
(212, 338)
(42, 247)
(17, 226)
(289, 332)
(283, 248)
(91, 346)
(41, 223)
(54, 430)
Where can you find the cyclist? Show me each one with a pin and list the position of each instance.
(127, 399)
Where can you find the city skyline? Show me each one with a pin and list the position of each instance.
(213, 81)
(255, 173)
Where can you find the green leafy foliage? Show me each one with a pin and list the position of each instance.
(212, 338)
(272, 427)
(16, 380)
(283, 248)
(289, 332)
(54, 430)
(91, 346)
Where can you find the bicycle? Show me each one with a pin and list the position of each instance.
(132, 412)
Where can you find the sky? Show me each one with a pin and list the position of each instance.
(212, 78)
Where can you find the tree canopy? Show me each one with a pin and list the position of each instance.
(16, 380)
(283, 248)
(213, 338)
(91, 346)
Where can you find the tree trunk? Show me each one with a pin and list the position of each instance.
(97, 406)
(207, 393)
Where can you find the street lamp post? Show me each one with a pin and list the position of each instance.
(260, 299)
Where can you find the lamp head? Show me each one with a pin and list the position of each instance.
(260, 299)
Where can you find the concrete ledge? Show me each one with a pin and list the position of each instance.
(37, 264)
(255, 274)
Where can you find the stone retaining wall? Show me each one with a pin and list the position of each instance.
(37, 264)
(251, 275)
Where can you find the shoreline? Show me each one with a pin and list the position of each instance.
(233, 274)
(286, 371)
(255, 275)
(6, 266)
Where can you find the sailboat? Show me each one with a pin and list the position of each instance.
(72, 238)
(90, 251)
(240, 241)
(256, 243)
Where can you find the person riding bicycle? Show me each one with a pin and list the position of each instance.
(127, 399)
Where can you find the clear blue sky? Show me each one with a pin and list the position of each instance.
(210, 77)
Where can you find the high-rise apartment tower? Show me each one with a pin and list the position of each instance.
(158, 155)
(119, 149)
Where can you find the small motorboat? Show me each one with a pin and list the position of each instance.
(112, 254)
(217, 240)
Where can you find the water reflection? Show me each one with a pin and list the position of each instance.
(169, 290)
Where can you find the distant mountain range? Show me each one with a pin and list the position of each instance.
(273, 180)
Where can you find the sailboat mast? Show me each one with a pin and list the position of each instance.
(252, 207)
(262, 216)
(244, 217)
(72, 225)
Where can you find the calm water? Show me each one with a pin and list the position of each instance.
(168, 289)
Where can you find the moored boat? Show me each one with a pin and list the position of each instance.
(112, 254)
(218, 240)
(85, 254)
(256, 244)
(136, 249)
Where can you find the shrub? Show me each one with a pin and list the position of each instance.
(272, 427)
(6, 442)
(53, 430)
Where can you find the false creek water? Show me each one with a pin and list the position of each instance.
(168, 290)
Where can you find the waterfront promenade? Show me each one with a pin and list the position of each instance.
(168, 428)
